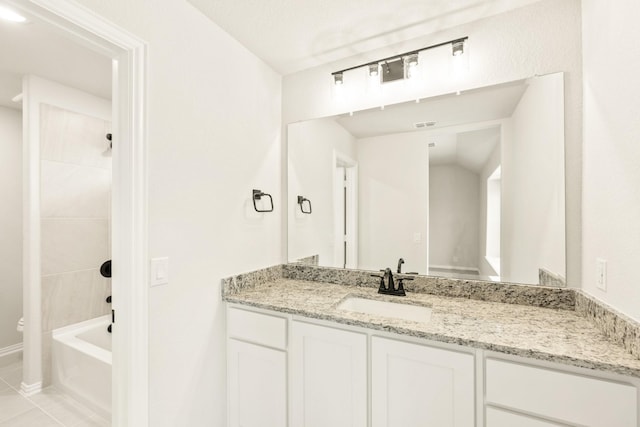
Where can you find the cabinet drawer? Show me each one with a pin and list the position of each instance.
(500, 418)
(561, 396)
(257, 328)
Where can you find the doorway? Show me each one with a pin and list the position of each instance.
(128, 211)
(345, 202)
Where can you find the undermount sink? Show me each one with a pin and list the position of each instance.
(414, 313)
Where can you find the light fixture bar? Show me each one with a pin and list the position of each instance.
(402, 55)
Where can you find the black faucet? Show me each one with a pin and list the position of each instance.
(387, 287)
(400, 262)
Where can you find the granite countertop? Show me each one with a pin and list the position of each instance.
(556, 335)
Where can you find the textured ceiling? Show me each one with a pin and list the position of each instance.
(292, 35)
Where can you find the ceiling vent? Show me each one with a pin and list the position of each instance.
(432, 144)
(422, 125)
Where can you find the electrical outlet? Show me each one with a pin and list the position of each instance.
(601, 272)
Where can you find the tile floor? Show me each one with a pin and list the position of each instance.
(49, 408)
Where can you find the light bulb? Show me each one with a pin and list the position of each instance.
(457, 47)
(10, 15)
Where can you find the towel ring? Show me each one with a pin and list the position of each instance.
(258, 195)
(301, 201)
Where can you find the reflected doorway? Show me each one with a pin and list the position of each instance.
(345, 202)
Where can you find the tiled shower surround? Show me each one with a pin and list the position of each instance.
(75, 210)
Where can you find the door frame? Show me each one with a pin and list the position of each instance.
(351, 205)
(130, 388)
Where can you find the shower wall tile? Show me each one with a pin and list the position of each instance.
(73, 191)
(73, 297)
(75, 214)
(66, 136)
(73, 244)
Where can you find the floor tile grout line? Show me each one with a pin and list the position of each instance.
(31, 409)
(18, 389)
(47, 413)
(68, 397)
(21, 412)
(35, 405)
(7, 384)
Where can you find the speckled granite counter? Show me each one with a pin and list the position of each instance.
(557, 335)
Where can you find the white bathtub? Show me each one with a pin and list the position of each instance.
(81, 363)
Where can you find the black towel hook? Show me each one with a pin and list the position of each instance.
(258, 195)
(301, 201)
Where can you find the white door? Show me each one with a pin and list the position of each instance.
(340, 226)
(345, 211)
(257, 385)
(328, 377)
(418, 386)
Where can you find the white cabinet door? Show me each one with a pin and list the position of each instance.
(419, 386)
(257, 385)
(328, 377)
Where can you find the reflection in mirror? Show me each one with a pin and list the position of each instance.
(466, 185)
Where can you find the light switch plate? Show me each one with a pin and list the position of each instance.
(159, 271)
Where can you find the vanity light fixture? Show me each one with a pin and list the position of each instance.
(10, 15)
(457, 47)
(407, 60)
(412, 59)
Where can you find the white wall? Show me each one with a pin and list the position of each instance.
(533, 197)
(11, 225)
(393, 201)
(542, 38)
(454, 217)
(214, 132)
(611, 193)
(311, 167)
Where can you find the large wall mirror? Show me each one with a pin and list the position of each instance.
(468, 185)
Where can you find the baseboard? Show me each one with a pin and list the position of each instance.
(12, 349)
(30, 389)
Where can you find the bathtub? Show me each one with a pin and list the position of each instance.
(81, 363)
